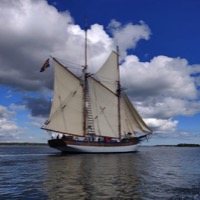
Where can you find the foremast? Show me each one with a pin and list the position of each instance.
(118, 95)
(85, 74)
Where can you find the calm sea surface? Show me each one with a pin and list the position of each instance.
(39, 172)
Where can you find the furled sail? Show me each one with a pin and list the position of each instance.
(66, 114)
(104, 109)
(108, 73)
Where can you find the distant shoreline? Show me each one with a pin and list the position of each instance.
(179, 145)
(23, 144)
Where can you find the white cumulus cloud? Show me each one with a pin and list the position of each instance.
(161, 89)
(127, 36)
(8, 127)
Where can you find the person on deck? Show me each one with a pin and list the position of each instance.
(107, 139)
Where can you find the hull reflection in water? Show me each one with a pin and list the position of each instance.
(93, 177)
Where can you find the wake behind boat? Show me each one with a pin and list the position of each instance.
(92, 112)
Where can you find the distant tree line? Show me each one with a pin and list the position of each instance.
(21, 143)
(188, 145)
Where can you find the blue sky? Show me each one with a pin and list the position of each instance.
(160, 63)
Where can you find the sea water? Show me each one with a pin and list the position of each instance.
(39, 172)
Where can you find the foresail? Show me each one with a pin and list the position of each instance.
(108, 73)
(104, 109)
(66, 114)
(130, 119)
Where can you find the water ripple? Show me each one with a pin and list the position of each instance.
(152, 173)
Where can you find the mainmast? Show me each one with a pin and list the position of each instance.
(85, 85)
(118, 94)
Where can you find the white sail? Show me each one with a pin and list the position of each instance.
(130, 119)
(104, 103)
(104, 109)
(108, 73)
(66, 114)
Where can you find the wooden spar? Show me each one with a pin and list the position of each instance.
(85, 85)
(86, 45)
(118, 94)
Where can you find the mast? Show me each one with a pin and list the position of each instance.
(85, 85)
(118, 95)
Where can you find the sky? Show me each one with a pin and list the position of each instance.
(159, 45)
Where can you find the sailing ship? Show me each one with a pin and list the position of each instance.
(93, 112)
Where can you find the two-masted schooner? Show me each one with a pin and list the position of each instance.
(92, 112)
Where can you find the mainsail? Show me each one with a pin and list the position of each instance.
(104, 109)
(67, 113)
